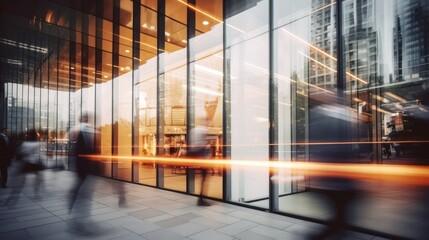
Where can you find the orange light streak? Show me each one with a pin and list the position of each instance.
(404, 174)
(200, 11)
(395, 97)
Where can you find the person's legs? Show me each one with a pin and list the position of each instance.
(201, 201)
(75, 190)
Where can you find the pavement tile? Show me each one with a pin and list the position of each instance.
(147, 213)
(237, 227)
(28, 224)
(172, 222)
(276, 233)
(248, 235)
(163, 234)
(15, 235)
(210, 235)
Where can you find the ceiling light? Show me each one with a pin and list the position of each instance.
(152, 27)
(105, 76)
(144, 25)
(205, 22)
(11, 61)
(167, 34)
(72, 68)
(127, 51)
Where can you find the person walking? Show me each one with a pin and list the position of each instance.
(5, 156)
(85, 145)
(200, 148)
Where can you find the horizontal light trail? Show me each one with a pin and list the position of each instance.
(398, 173)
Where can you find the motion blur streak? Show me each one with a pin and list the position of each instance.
(405, 174)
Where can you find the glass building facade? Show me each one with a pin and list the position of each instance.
(278, 80)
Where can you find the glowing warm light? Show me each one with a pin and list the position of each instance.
(209, 15)
(205, 23)
(200, 11)
(23, 45)
(381, 99)
(404, 174)
(396, 97)
(375, 108)
(127, 51)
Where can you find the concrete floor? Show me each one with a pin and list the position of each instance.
(148, 213)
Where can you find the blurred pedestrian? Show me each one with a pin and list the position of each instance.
(85, 145)
(32, 160)
(29, 159)
(5, 156)
(200, 148)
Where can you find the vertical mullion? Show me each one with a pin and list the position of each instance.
(226, 120)
(160, 90)
(98, 72)
(273, 115)
(190, 93)
(115, 74)
(58, 78)
(72, 75)
(135, 92)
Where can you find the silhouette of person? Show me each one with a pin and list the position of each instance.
(29, 159)
(199, 148)
(32, 160)
(84, 145)
(330, 122)
(5, 156)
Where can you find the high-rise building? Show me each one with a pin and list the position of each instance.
(411, 37)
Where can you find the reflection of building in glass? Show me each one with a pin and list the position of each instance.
(360, 40)
(322, 36)
(411, 40)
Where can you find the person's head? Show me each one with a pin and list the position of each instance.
(84, 118)
(32, 135)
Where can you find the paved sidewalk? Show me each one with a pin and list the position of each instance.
(148, 213)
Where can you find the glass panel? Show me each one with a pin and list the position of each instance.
(208, 88)
(245, 20)
(387, 82)
(249, 99)
(208, 106)
(175, 91)
(153, 4)
(63, 104)
(146, 101)
(175, 125)
(52, 112)
(123, 84)
(126, 14)
(304, 65)
(104, 113)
